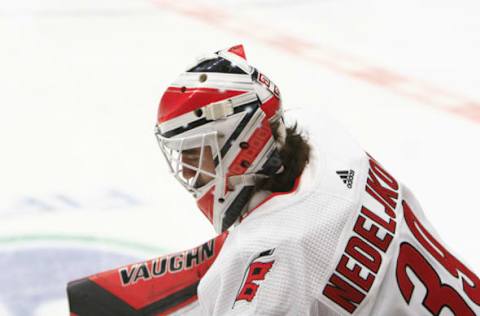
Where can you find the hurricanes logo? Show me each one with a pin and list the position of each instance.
(255, 274)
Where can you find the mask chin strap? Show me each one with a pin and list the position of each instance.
(249, 179)
(247, 183)
(236, 207)
(272, 166)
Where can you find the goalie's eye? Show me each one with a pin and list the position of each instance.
(191, 154)
(198, 167)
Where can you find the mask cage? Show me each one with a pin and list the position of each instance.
(205, 147)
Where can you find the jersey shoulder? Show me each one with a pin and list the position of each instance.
(274, 263)
(279, 255)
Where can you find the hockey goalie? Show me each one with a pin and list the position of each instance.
(307, 226)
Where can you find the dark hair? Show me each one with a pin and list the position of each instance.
(294, 154)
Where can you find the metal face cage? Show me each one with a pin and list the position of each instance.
(191, 159)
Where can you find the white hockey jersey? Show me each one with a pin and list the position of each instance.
(350, 240)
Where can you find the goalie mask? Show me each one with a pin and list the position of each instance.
(213, 128)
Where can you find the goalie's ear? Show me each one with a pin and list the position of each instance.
(238, 50)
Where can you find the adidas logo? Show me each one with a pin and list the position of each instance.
(347, 177)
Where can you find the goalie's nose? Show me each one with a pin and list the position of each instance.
(187, 172)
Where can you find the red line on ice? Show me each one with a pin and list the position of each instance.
(339, 62)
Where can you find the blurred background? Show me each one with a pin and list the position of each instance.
(83, 184)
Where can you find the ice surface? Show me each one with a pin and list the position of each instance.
(80, 83)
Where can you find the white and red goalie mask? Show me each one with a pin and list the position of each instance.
(213, 128)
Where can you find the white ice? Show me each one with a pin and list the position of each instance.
(80, 82)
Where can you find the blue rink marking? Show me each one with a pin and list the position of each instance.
(32, 275)
(111, 199)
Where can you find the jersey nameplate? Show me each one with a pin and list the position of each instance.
(373, 231)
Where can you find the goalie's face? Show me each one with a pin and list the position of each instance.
(195, 159)
(191, 160)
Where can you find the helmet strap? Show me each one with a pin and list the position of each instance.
(236, 208)
(249, 179)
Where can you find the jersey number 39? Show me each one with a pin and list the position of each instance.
(438, 295)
